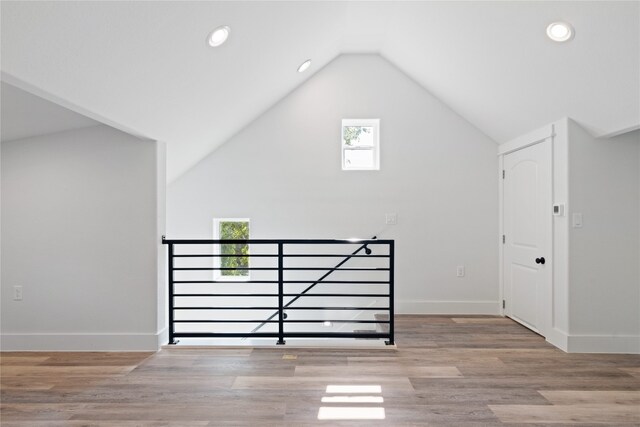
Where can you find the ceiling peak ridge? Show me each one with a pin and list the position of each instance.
(443, 103)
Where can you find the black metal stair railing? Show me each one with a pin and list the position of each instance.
(198, 303)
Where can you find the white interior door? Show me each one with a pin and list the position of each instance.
(527, 235)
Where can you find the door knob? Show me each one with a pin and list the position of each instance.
(540, 260)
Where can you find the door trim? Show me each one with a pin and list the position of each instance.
(525, 141)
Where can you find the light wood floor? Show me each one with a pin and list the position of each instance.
(447, 371)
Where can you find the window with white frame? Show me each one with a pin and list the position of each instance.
(360, 144)
(234, 265)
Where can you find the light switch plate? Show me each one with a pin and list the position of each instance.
(576, 220)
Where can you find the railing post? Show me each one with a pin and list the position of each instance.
(171, 331)
(280, 294)
(391, 292)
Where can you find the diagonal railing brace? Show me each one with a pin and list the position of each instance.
(324, 276)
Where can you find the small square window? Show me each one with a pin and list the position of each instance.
(235, 265)
(360, 144)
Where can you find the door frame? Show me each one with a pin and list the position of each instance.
(545, 134)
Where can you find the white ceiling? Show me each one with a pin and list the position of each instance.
(23, 115)
(145, 66)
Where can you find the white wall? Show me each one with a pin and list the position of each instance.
(604, 309)
(81, 225)
(438, 173)
(161, 250)
(559, 330)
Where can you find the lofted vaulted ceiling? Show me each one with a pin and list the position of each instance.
(24, 115)
(145, 68)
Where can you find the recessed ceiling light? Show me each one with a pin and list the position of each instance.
(219, 36)
(303, 67)
(560, 31)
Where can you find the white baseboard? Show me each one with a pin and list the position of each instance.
(625, 344)
(620, 344)
(163, 337)
(558, 338)
(83, 342)
(447, 307)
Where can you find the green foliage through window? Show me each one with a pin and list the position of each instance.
(351, 134)
(234, 230)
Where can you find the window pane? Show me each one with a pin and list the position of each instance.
(234, 230)
(358, 136)
(356, 159)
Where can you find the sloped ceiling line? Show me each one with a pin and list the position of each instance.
(145, 67)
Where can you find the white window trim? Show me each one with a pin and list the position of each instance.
(375, 124)
(217, 274)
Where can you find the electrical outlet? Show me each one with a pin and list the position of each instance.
(17, 293)
(460, 271)
(391, 219)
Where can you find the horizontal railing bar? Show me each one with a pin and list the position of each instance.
(225, 281)
(276, 241)
(339, 295)
(275, 256)
(275, 321)
(329, 282)
(275, 335)
(333, 269)
(334, 321)
(339, 308)
(225, 321)
(226, 295)
(286, 295)
(343, 282)
(335, 335)
(333, 256)
(284, 268)
(225, 308)
(227, 268)
(224, 335)
(288, 308)
(225, 256)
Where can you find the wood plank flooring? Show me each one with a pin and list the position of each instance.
(446, 371)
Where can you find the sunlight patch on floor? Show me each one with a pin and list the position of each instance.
(364, 412)
(352, 399)
(353, 389)
(346, 413)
